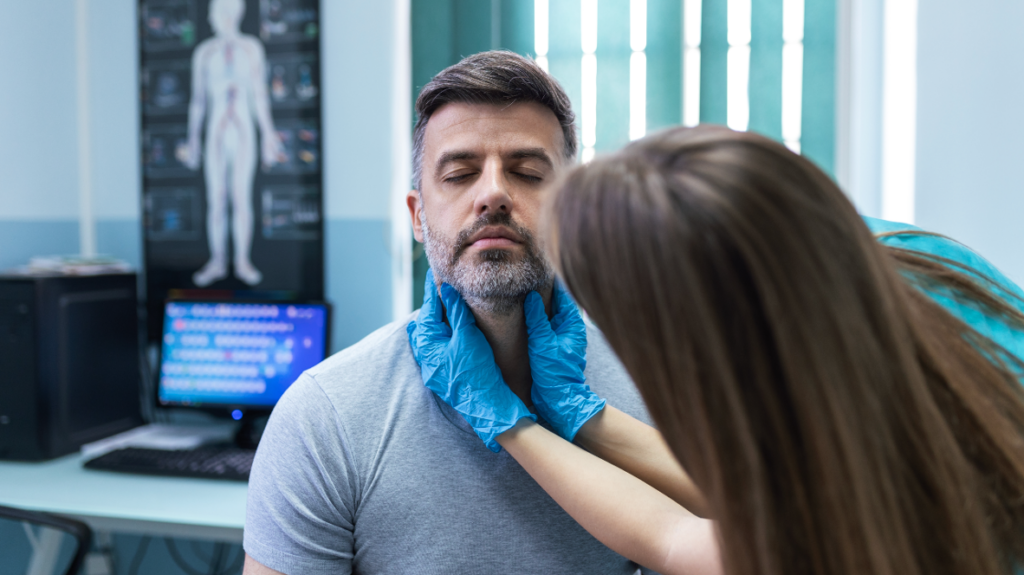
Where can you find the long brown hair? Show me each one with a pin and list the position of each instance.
(838, 420)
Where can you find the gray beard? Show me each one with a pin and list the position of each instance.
(495, 281)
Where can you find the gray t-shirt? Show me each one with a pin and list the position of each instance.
(362, 469)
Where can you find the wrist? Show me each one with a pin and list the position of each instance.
(511, 435)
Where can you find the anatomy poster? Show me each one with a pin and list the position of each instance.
(231, 149)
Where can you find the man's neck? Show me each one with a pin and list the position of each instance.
(506, 332)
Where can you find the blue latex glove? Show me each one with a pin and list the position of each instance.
(558, 356)
(458, 365)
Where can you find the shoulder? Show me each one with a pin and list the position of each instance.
(385, 346)
(251, 43)
(206, 45)
(341, 404)
(878, 226)
(366, 376)
(908, 237)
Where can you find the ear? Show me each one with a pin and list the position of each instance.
(415, 203)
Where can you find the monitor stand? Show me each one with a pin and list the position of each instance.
(249, 433)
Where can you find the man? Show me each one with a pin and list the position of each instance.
(362, 468)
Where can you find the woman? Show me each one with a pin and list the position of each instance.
(836, 416)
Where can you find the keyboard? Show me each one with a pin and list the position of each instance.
(212, 462)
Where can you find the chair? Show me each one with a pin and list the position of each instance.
(47, 536)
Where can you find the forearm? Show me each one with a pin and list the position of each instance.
(197, 102)
(640, 450)
(260, 99)
(629, 516)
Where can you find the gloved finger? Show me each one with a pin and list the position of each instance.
(567, 318)
(459, 314)
(537, 324)
(430, 321)
(431, 305)
(563, 306)
(569, 326)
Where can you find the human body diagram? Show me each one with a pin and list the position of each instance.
(229, 91)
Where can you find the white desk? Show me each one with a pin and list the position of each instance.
(208, 509)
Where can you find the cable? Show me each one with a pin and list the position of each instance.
(173, 550)
(198, 550)
(218, 555)
(236, 565)
(140, 553)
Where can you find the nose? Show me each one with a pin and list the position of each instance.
(492, 194)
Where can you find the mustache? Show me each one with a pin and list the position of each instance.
(496, 219)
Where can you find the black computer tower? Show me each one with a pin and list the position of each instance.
(69, 362)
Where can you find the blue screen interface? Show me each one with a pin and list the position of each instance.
(237, 354)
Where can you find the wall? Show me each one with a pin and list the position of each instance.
(39, 153)
(969, 120)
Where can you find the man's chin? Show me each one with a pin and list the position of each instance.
(511, 254)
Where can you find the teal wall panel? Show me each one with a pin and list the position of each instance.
(664, 64)
(20, 240)
(818, 137)
(473, 28)
(433, 40)
(517, 26)
(612, 53)
(766, 68)
(714, 50)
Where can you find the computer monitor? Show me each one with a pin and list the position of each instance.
(237, 357)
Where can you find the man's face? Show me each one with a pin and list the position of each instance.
(485, 167)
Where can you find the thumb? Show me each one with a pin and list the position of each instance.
(459, 314)
(537, 324)
(430, 318)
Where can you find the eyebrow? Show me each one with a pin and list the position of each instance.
(453, 156)
(535, 153)
(462, 155)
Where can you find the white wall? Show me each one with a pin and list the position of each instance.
(357, 60)
(970, 148)
(38, 150)
(114, 108)
(859, 102)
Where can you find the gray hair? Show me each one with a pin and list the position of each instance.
(494, 77)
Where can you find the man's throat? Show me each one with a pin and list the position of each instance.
(506, 332)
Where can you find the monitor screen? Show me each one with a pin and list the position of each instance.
(237, 354)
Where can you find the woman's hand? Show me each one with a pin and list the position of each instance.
(558, 356)
(458, 365)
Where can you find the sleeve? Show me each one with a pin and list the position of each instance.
(302, 488)
(969, 311)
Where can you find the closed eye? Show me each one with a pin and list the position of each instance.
(528, 177)
(456, 179)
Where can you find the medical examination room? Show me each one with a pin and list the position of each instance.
(723, 287)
